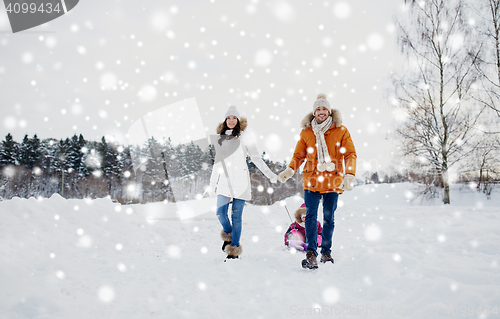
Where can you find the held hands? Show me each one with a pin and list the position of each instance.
(348, 182)
(286, 174)
(273, 179)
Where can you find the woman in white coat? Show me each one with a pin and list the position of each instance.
(230, 178)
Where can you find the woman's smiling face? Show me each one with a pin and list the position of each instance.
(231, 121)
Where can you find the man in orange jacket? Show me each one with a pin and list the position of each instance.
(324, 144)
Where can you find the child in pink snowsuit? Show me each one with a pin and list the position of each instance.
(295, 236)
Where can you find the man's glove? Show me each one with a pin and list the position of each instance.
(286, 174)
(348, 182)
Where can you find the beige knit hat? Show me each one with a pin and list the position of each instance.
(321, 102)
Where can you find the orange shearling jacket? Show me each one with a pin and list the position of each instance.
(340, 148)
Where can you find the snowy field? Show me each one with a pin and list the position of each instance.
(393, 259)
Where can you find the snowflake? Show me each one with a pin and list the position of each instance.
(106, 294)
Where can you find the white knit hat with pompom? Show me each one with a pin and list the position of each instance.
(321, 102)
(233, 111)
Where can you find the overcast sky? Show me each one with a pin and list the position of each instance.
(105, 64)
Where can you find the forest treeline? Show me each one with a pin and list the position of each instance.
(156, 171)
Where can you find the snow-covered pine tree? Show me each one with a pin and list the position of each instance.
(181, 158)
(128, 175)
(56, 163)
(29, 157)
(46, 181)
(8, 152)
(8, 161)
(207, 164)
(193, 158)
(29, 152)
(153, 176)
(173, 162)
(77, 169)
(110, 165)
(168, 164)
(75, 156)
(23, 152)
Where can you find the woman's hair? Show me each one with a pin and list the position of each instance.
(236, 129)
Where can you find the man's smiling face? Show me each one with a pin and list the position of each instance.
(321, 114)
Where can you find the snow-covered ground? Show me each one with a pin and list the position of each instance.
(393, 258)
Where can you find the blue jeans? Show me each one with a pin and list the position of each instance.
(329, 206)
(237, 211)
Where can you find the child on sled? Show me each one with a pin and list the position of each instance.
(295, 236)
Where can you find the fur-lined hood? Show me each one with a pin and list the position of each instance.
(298, 212)
(335, 114)
(243, 125)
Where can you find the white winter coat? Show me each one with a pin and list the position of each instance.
(237, 169)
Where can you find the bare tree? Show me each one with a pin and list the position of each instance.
(437, 116)
(483, 166)
(487, 163)
(487, 13)
(486, 20)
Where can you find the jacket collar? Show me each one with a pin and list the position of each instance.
(335, 114)
(243, 125)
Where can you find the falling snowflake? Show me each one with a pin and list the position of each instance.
(202, 286)
(81, 50)
(284, 11)
(106, 294)
(375, 42)
(108, 81)
(263, 58)
(27, 57)
(84, 241)
(159, 21)
(10, 122)
(147, 93)
(373, 233)
(174, 252)
(342, 10)
(60, 274)
(331, 295)
(327, 42)
(441, 238)
(121, 267)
